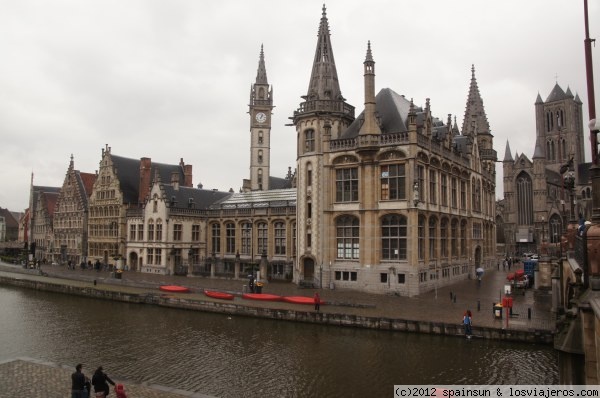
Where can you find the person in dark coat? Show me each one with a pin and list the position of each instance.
(80, 384)
(100, 382)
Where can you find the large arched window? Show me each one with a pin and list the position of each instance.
(280, 241)
(393, 237)
(263, 237)
(347, 237)
(463, 238)
(454, 238)
(432, 238)
(215, 238)
(421, 237)
(230, 238)
(444, 237)
(555, 228)
(524, 199)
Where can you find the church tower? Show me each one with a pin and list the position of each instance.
(321, 117)
(559, 128)
(261, 106)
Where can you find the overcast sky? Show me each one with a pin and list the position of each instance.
(170, 79)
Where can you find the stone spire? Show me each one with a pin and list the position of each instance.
(370, 125)
(538, 153)
(324, 83)
(261, 74)
(475, 121)
(507, 155)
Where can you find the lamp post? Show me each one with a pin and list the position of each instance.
(436, 277)
(321, 276)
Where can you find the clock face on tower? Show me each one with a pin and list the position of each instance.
(261, 117)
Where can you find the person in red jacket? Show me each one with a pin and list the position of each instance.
(120, 390)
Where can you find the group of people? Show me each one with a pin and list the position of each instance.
(81, 385)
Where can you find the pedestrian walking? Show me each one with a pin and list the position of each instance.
(80, 385)
(317, 302)
(100, 382)
(467, 323)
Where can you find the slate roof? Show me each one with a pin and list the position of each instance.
(557, 94)
(128, 173)
(188, 197)
(279, 183)
(392, 109)
(9, 218)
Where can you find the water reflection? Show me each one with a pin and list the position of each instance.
(236, 356)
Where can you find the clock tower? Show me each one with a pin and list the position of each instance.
(261, 106)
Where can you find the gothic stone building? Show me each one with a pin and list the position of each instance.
(542, 195)
(394, 200)
(71, 217)
(122, 183)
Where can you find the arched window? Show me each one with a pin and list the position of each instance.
(260, 156)
(421, 237)
(159, 230)
(555, 228)
(150, 230)
(280, 241)
(309, 141)
(454, 238)
(432, 238)
(393, 237)
(260, 137)
(215, 237)
(263, 234)
(347, 237)
(524, 199)
(444, 237)
(230, 238)
(463, 238)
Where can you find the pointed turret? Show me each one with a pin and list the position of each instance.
(475, 121)
(538, 153)
(370, 125)
(507, 154)
(324, 83)
(261, 73)
(538, 100)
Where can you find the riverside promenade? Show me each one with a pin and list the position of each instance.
(435, 312)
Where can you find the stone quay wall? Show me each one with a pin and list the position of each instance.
(267, 311)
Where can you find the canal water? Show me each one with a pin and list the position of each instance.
(234, 356)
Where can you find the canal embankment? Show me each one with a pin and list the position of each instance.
(424, 314)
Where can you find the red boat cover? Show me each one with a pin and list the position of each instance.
(261, 296)
(300, 300)
(219, 295)
(174, 289)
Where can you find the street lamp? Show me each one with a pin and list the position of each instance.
(321, 276)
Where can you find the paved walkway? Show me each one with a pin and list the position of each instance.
(31, 378)
(531, 311)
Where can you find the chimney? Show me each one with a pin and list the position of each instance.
(175, 180)
(145, 179)
(187, 172)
